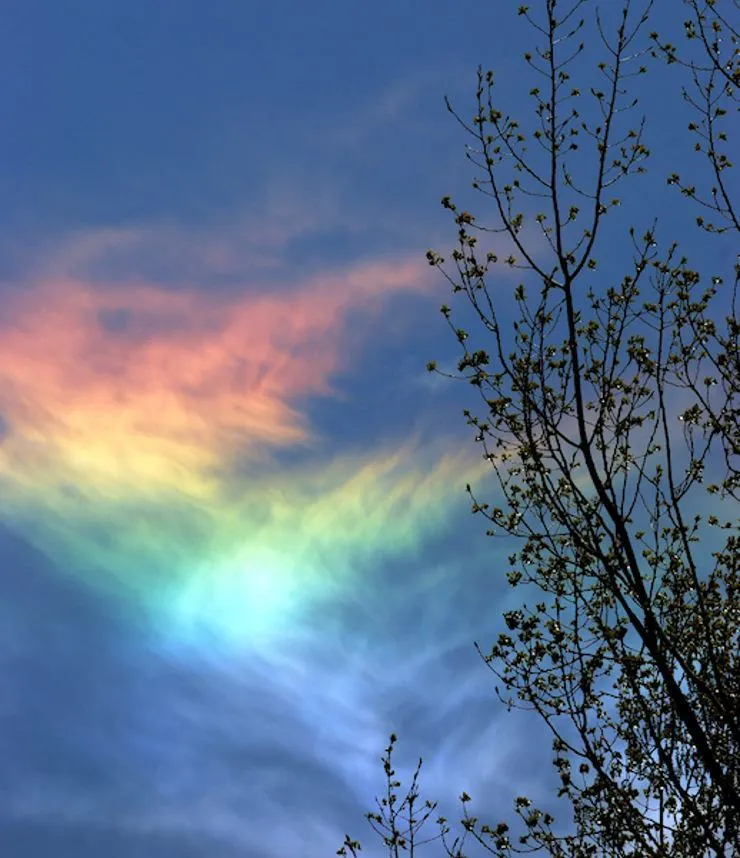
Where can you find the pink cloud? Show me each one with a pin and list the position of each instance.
(140, 384)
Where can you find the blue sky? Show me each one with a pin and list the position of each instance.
(235, 547)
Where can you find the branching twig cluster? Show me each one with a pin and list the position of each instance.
(609, 414)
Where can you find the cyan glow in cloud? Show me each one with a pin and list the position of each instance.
(144, 428)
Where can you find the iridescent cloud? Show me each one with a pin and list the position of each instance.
(144, 428)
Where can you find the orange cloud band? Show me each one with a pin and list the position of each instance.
(126, 408)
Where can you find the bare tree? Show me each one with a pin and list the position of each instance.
(609, 414)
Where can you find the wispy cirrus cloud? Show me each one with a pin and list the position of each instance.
(144, 429)
(241, 246)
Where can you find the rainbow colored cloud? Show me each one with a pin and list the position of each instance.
(142, 427)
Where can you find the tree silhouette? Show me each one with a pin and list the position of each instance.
(609, 414)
